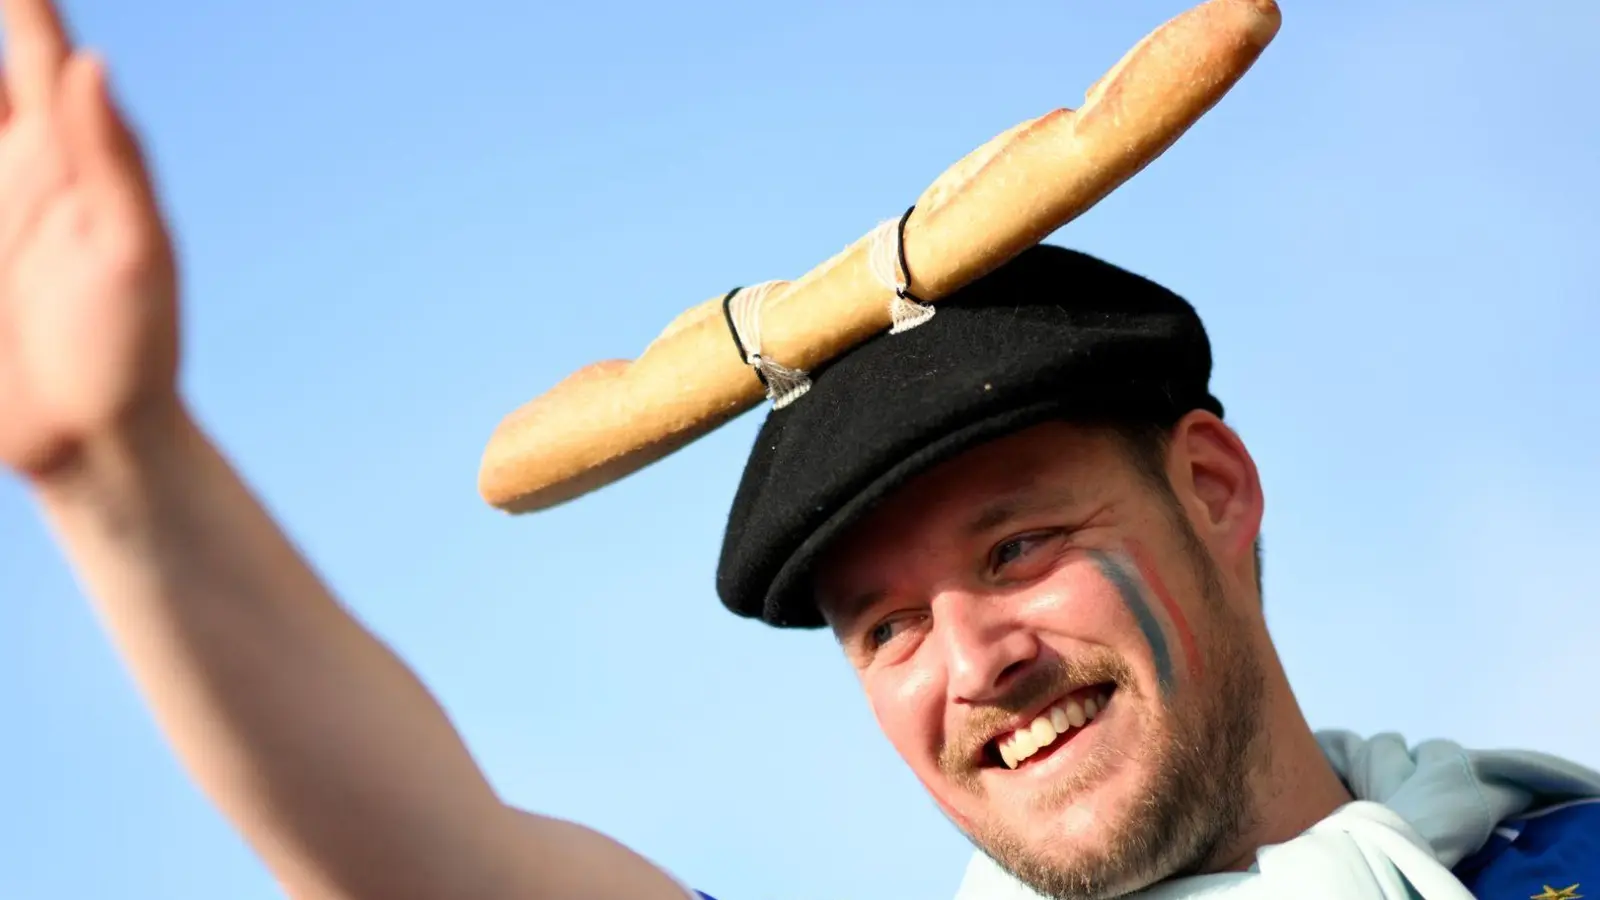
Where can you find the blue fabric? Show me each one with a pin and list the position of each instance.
(1553, 854)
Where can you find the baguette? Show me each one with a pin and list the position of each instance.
(609, 419)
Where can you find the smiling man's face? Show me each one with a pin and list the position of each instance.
(1062, 651)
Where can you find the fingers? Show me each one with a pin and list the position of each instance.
(102, 149)
(36, 49)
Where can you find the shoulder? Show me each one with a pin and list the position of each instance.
(1551, 854)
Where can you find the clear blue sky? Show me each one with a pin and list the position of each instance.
(398, 224)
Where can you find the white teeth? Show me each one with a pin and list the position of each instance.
(1059, 720)
(1043, 731)
(1044, 734)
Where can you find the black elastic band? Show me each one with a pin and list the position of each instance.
(905, 267)
(744, 356)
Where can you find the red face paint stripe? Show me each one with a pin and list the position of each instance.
(1147, 571)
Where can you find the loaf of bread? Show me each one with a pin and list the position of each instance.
(612, 418)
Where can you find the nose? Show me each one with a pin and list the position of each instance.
(985, 647)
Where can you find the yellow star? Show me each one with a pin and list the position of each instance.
(1567, 893)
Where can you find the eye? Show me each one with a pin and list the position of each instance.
(888, 631)
(1011, 553)
(884, 632)
(881, 633)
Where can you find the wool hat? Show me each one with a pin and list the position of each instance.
(1053, 334)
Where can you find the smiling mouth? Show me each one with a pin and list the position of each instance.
(1050, 730)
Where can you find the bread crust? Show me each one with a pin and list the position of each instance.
(612, 418)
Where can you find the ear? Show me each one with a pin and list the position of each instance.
(1219, 488)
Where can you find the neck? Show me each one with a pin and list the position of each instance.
(1292, 787)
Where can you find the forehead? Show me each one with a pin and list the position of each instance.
(1047, 466)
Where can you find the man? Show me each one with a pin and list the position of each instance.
(1025, 522)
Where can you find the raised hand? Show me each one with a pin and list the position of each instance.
(88, 319)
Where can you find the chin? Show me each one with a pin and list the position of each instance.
(1078, 845)
(1089, 822)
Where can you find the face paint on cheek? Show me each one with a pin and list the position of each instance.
(1128, 588)
(1152, 577)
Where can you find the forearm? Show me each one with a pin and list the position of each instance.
(312, 737)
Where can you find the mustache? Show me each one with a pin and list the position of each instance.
(1044, 681)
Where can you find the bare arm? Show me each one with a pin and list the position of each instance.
(316, 741)
(319, 745)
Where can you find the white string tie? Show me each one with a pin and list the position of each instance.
(743, 309)
(887, 258)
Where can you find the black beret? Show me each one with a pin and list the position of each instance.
(1052, 334)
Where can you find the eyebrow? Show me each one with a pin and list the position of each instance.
(1017, 504)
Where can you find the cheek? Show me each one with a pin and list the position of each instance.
(1108, 600)
(908, 703)
(910, 708)
(1175, 621)
(1081, 605)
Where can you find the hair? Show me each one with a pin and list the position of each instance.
(1147, 443)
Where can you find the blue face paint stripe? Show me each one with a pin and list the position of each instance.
(1128, 587)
